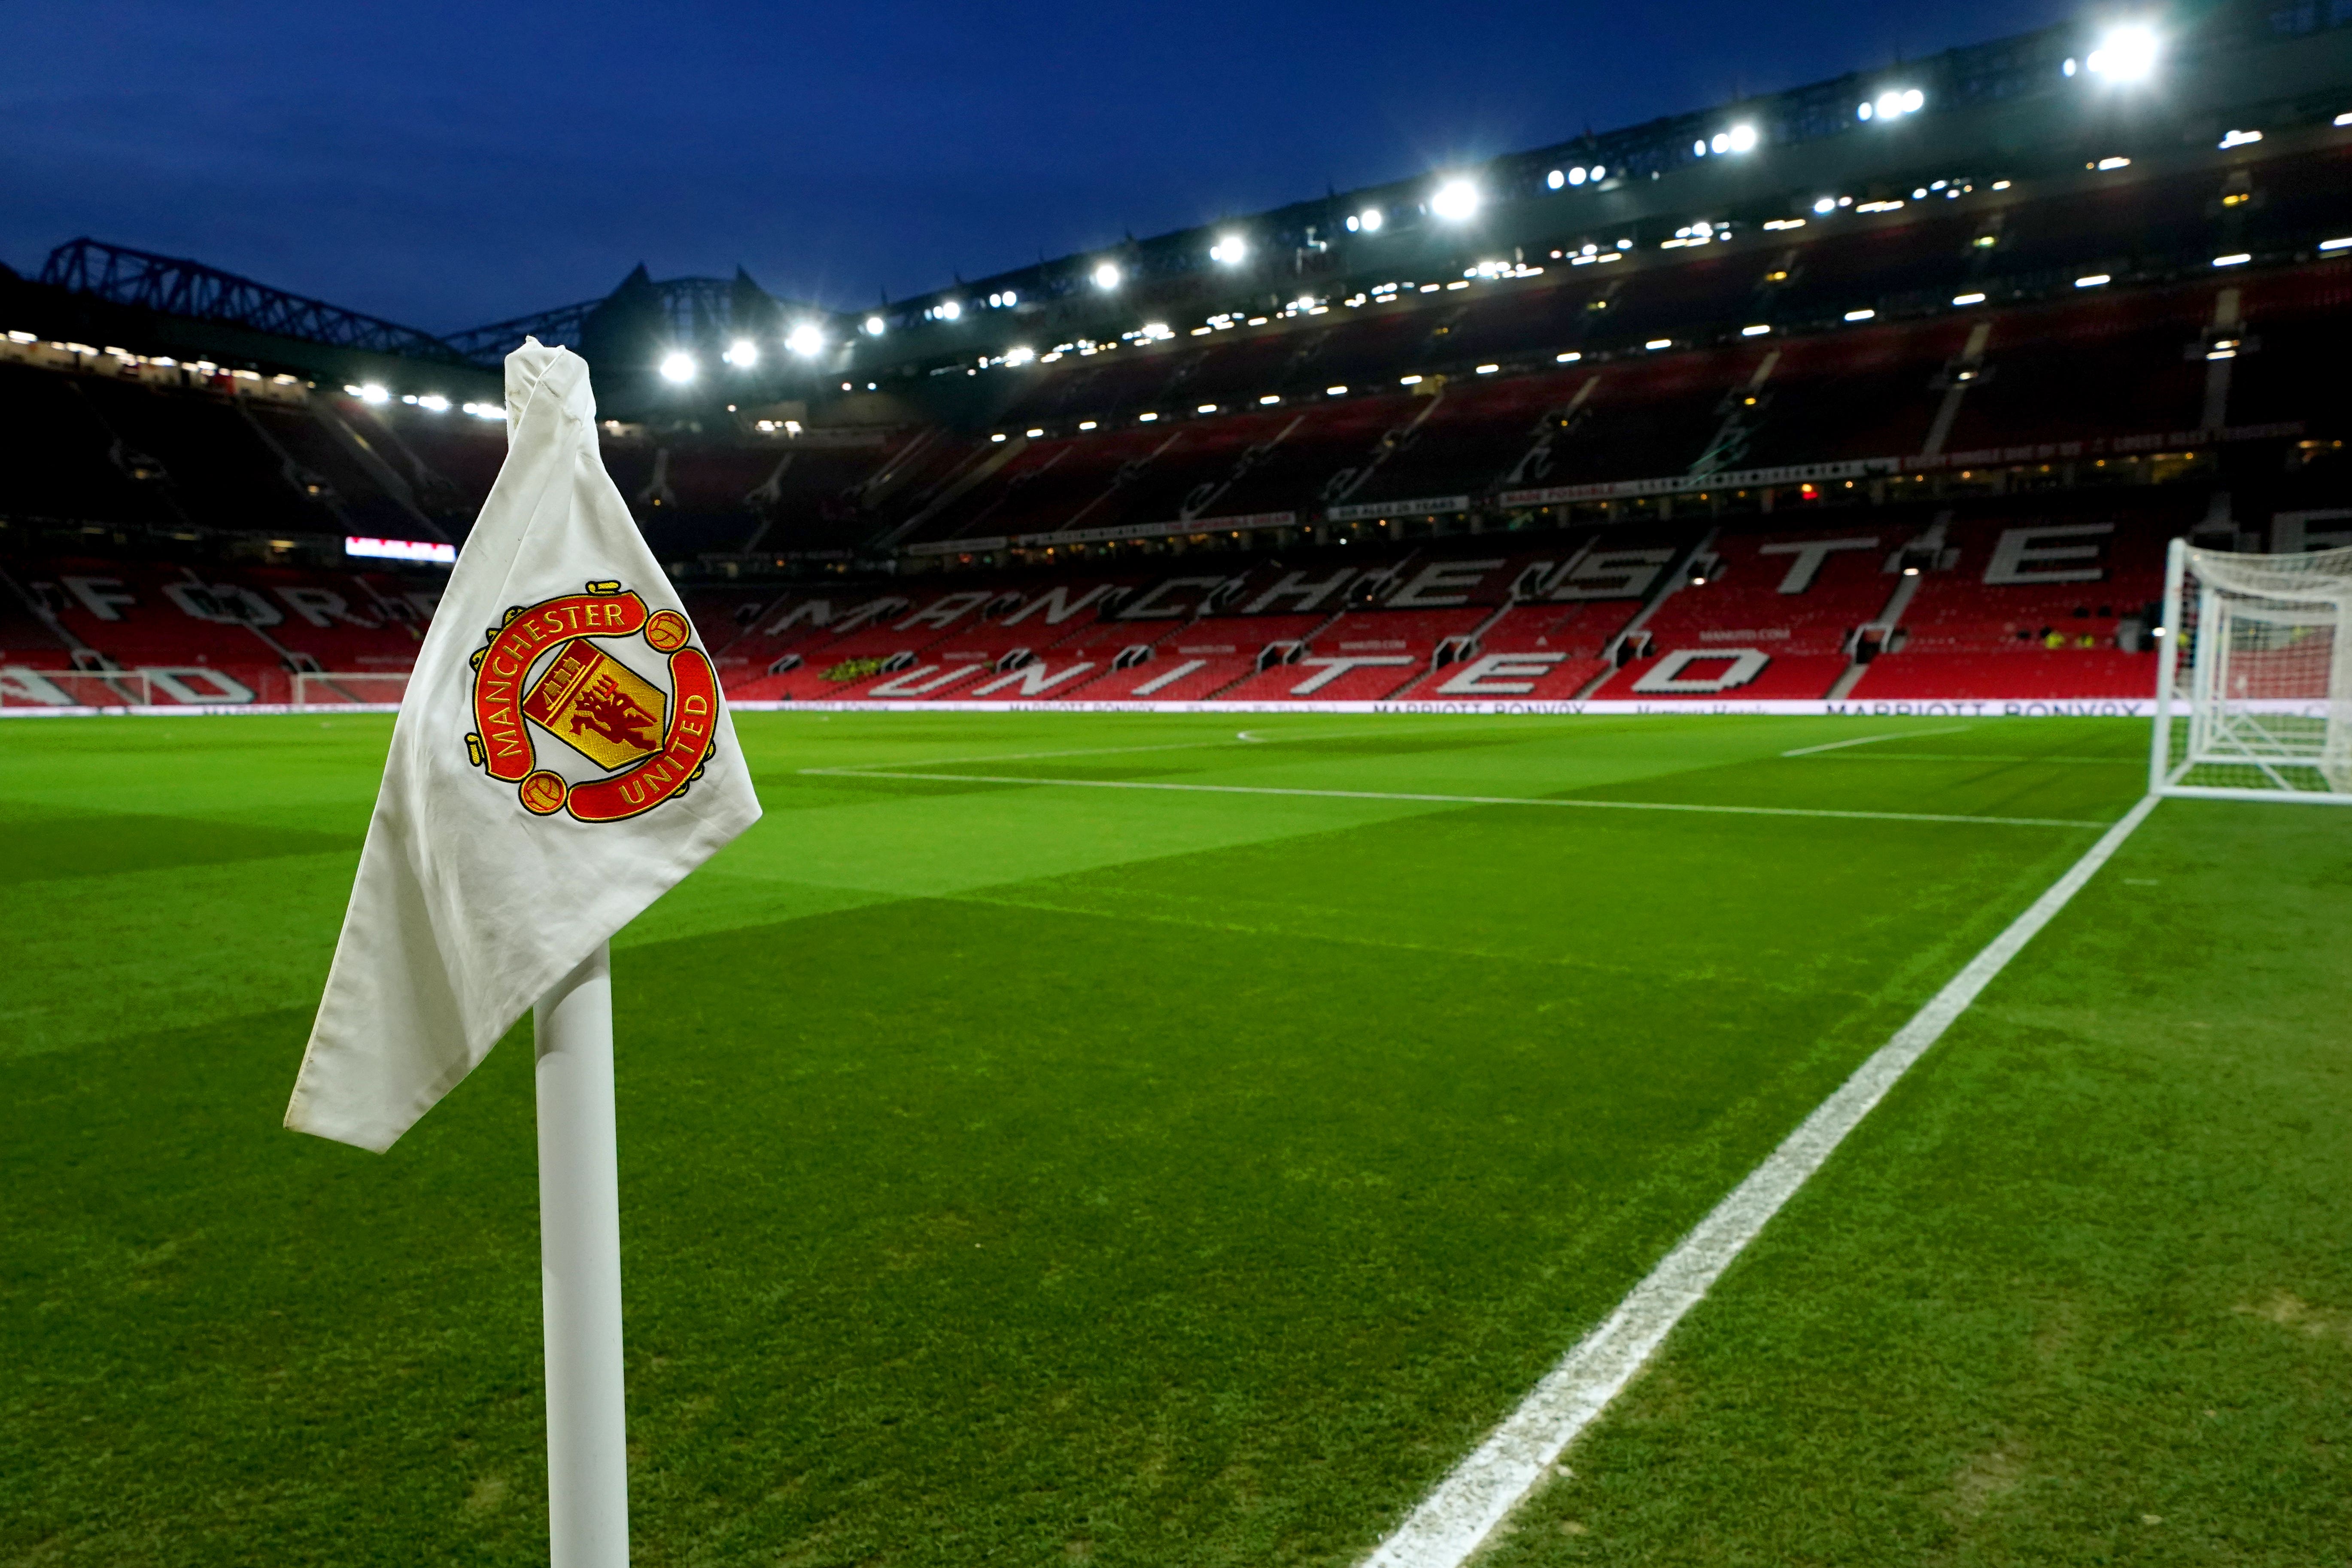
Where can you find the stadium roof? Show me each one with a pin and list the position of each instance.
(2010, 97)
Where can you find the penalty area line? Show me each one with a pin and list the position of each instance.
(1412, 797)
(1455, 1518)
(1874, 739)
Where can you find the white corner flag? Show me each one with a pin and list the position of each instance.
(561, 759)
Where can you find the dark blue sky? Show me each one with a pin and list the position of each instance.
(449, 164)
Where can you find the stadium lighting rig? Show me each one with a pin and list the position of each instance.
(875, 326)
(742, 353)
(677, 368)
(805, 339)
(1739, 139)
(1369, 221)
(1231, 249)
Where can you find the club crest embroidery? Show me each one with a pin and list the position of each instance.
(548, 670)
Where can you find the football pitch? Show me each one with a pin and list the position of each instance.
(1131, 1139)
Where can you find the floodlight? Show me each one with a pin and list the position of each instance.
(2125, 54)
(433, 402)
(875, 326)
(742, 353)
(1742, 138)
(372, 393)
(1230, 248)
(1826, 204)
(677, 366)
(1698, 148)
(805, 339)
(950, 310)
(1576, 177)
(1371, 218)
(1556, 179)
(1107, 274)
(1892, 104)
(1454, 201)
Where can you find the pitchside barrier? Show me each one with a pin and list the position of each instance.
(1909, 708)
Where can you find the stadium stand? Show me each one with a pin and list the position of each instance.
(1928, 443)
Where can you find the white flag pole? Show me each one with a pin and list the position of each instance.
(580, 1268)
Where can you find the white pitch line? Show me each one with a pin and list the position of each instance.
(1037, 756)
(1243, 737)
(862, 772)
(1457, 1517)
(1874, 739)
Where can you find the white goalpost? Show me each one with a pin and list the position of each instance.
(350, 689)
(2253, 696)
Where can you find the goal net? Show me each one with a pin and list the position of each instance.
(2254, 694)
(350, 689)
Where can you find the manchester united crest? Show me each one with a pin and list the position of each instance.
(556, 671)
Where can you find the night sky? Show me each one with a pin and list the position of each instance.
(446, 165)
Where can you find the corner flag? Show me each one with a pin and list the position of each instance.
(563, 758)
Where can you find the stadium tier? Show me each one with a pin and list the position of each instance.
(1995, 599)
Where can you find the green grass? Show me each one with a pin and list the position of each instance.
(1035, 1173)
